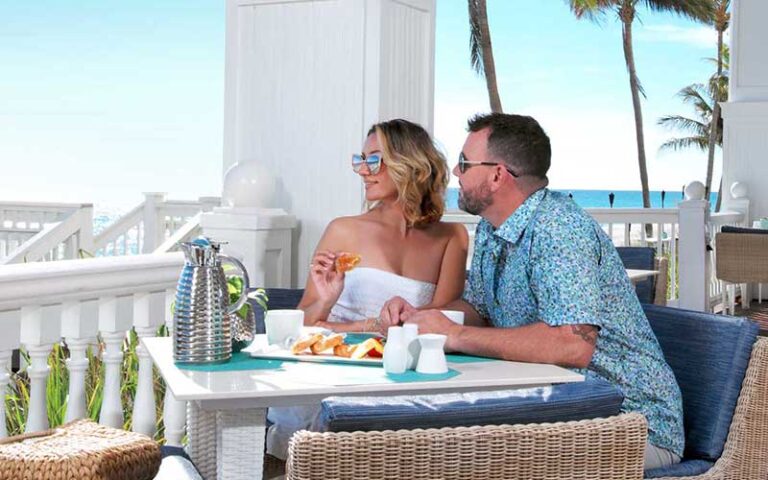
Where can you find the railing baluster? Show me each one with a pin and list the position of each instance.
(627, 240)
(673, 262)
(78, 329)
(9, 341)
(144, 416)
(112, 333)
(174, 411)
(5, 357)
(38, 334)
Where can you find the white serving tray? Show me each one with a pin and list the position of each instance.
(260, 349)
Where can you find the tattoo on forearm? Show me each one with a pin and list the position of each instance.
(587, 333)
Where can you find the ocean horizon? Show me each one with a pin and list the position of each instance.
(601, 198)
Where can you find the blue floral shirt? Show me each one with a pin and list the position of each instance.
(551, 262)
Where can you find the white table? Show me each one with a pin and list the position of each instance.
(640, 275)
(227, 410)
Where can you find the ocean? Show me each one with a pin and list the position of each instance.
(585, 198)
(601, 198)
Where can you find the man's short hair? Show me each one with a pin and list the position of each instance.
(517, 140)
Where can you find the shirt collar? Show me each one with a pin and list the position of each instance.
(514, 226)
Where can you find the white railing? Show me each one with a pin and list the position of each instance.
(76, 301)
(186, 232)
(31, 232)
(149, 225)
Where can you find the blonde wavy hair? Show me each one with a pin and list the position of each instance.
(416, 166)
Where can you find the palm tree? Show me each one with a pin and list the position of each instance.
(704, 99)
(720, 20)
(699, 128)
(481, 50)
(626, 11)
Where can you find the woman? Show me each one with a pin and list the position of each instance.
(405, 249)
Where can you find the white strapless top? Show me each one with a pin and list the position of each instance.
(366, 289)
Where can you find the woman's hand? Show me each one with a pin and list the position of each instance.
(392, 312)
(328, 282)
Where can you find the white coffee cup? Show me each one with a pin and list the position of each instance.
(283, 324)
(456, 316)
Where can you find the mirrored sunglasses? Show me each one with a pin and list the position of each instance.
(372, 162)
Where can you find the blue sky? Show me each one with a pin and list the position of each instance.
(101, 100)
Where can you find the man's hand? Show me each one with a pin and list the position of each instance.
(433, 321)
(393, 310)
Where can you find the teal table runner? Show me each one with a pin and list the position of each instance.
(239, 361)
(461, 358)
(339, 373)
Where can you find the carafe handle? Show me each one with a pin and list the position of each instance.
(246, 282)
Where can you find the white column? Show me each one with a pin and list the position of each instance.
(79, 329)
(154, 226)
(692, 253)
(369, 60)
(745, 115)
(113, 329)
(174, 411)
(39, 331)
(260, 238)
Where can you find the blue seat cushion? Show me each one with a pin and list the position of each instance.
(641, 258)
(709, 355)
(686, 468)
(562, 402)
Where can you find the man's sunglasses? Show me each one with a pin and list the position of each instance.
(464, 165)
(372, 162)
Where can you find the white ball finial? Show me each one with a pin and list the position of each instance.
(694, 191)
(248, 185)
(739, 190)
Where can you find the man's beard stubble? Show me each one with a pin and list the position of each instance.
(475, 201)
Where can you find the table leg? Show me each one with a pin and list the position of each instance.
(240, 436)
(201, 433)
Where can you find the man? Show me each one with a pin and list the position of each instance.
(546, 284)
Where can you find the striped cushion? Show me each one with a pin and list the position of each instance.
(563, 402)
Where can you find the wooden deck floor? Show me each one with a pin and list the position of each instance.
(757, 312)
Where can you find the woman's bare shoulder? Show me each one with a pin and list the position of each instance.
(345, 226)
(450, 231)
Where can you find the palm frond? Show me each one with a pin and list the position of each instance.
(690, 125)
(675, 144)
(475, 38)
(697, 95)
(593, 10)
(700, 10)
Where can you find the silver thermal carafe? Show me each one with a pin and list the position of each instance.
(202, 320)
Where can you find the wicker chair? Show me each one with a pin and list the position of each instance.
(586, 449)
(745, 455)
(601, 448)
(741, 258)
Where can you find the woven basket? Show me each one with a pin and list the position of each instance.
(80, 450)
